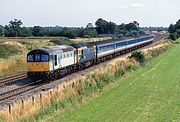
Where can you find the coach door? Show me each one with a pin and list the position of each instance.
(55, 62)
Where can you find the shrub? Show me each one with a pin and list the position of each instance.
(138, 56)
(173, 36)
(87, 36)
(120, 35)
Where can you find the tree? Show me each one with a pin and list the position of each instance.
(136, 23)
(177, 25)
(111, 28)
(171, 28)
(25, 32)
(1, 30)
(68, 32)
(88, 32)
(174, 30)
(14, 28)
(132, 26)
(104, 27)
(37, 31)
(121, 29)
(101, 26)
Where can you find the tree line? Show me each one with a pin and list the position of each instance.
(174, 30)
(103, 28)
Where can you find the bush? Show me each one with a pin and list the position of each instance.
(173, 36)
(120, 35)
(7, 50)
(87, 36)
(138, 56)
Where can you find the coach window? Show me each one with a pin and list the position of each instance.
(37, 57)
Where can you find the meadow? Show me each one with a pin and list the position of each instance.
(149, 93)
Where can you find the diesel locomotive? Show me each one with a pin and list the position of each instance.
(55, 61)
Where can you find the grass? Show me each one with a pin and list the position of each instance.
(8, 50)
(150, 93)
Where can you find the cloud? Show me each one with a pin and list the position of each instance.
(137, 5)
(123, 6)
(133, 5)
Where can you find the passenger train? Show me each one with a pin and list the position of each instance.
(55, 61)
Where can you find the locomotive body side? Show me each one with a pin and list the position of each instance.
(85, 52)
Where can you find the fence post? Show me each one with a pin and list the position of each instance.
(50, 93)
(22, 102)
(33, 100)
(73, 85)
(50, 96)
(41, 102)
(10, 109)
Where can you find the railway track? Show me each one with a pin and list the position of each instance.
(31, 86)
(18, 91)
(12, 79)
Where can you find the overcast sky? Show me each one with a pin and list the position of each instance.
(80, 12)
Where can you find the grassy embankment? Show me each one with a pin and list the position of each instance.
(150, 93)
(14, 50)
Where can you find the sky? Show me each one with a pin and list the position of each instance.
(78, 13)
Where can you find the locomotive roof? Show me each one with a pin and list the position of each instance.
(64, 48)
(52, 49)
(82, 44)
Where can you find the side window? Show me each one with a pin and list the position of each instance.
(55, 60)
(30, 58)
(37, 57)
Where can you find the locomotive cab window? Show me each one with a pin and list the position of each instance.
(30, 58)
(37, 57)
(44, 57)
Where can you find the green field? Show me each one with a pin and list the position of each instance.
(151, 93)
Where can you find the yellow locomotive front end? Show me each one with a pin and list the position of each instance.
(38, 64)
